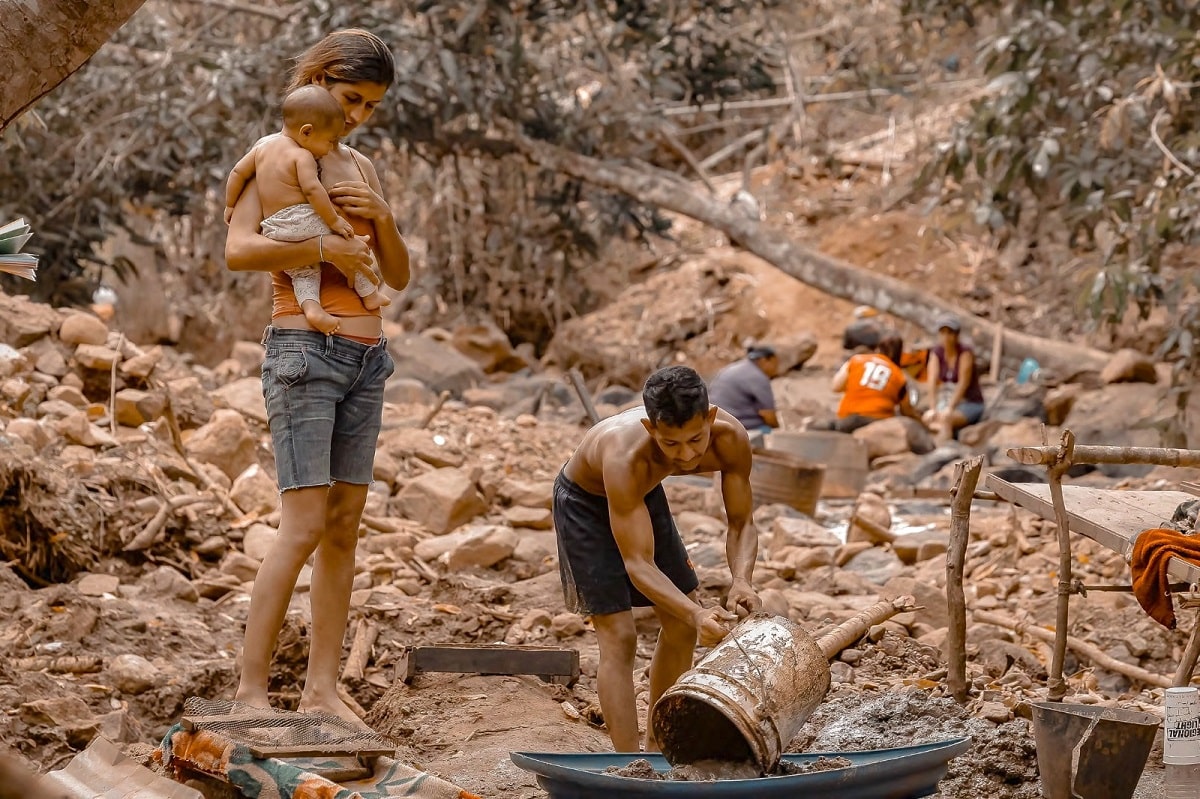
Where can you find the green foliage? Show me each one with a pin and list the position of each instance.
(153, 123)
(1090, 113)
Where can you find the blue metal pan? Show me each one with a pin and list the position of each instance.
(904, 773)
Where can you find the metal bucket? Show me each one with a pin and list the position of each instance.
(780, 477)
(1091, 752)
(845, 457)
(746, 699)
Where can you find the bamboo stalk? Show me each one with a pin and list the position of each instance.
(365, 634)
(63, 664)
(854, 628)
(966, 477)
(1157, 456)
(875, 531)
(585, 396)
(1090, 652)
(1056, 685)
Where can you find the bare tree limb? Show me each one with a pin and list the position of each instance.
(837, 278)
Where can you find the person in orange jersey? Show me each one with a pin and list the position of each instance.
(873, 386)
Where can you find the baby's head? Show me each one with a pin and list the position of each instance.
(313, 118)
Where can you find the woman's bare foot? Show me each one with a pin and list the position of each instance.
(375, 300)
(334, 706)
(252, 697)
(319, 318)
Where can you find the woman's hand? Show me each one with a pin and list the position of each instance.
(356, 198)
(350, 256)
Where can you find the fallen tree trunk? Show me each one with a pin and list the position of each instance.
(838, 278)
(43, 43)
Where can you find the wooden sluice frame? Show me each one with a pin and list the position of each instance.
(1057, 460)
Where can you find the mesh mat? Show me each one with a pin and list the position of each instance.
(282, 733)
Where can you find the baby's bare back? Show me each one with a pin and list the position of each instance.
(275, 160)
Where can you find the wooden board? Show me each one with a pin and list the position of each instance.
(1113, 519)
(549, 663)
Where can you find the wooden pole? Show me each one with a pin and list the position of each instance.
(1056, 686)
(365, 634)
(1157, 456)
(1187, 664)
(584, 395)
(1090, 652)
(966, 477)
(849, 631)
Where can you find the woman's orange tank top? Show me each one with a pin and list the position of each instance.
(337, 295)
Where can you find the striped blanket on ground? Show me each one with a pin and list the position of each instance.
(209, 753)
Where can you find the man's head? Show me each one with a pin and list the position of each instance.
(765, 357)
(313, 118)
(678, 415)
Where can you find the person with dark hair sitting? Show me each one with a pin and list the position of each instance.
(743, 388)
(955, 397)
(619, 547)
(873, 386)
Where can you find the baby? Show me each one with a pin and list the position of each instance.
(294, 203)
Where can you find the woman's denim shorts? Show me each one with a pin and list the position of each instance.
(324, 399)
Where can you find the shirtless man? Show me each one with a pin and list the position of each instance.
(618, 546)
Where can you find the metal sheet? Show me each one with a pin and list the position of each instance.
(904, 773)
(102, 772)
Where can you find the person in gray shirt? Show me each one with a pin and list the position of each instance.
(743, 389)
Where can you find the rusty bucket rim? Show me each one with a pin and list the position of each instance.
(749, 729)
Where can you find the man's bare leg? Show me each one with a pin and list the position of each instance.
(672, 657)
(301, 526)
(617, 636)
(333, 578)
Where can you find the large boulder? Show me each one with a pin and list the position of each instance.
(439, 366)
(440, 500)
(23, 322)
(225, 442)
(488, 346)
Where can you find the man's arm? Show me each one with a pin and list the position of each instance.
(741, 543)
(634, 534)
(764, 395)
(770, 418)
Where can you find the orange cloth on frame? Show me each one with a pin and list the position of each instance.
(1152, 553)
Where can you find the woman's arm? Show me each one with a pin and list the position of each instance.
(934, 368)
(366, 201)
(966, 369)
(247, 250)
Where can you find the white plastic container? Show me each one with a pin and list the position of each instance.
(1181, 743)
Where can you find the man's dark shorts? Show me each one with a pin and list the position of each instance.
(594, 579)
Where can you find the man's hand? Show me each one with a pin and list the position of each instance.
(712, 625)
(743, 599)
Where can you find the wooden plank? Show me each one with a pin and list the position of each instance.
(1113, 519)
(549, 663)
(318, 750)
